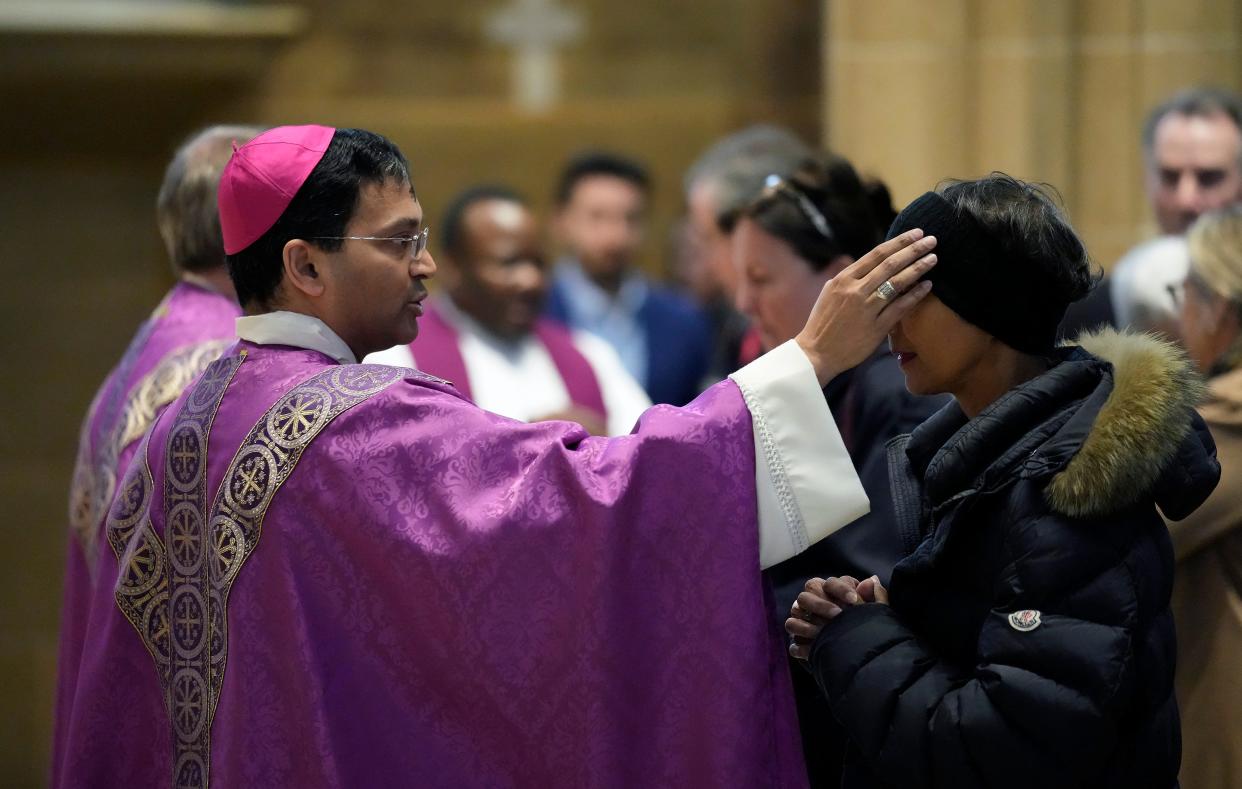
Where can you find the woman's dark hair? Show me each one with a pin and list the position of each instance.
(857, 212)
(1026, 220)
(323, 206)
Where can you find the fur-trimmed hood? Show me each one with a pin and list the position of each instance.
(1112, 423)
(1144, 434)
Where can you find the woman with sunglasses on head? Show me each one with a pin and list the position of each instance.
(1207, 598)
(798, 233)
(1027, 640)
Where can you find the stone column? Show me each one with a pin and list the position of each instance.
(1050, 90)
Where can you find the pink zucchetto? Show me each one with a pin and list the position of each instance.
(261, 179)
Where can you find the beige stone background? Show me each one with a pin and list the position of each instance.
(1054, 90)
(94, 97)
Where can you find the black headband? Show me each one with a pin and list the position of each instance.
(986, 282)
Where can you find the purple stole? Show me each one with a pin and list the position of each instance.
(436, 351)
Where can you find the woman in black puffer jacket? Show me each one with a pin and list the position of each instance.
(1026, 639)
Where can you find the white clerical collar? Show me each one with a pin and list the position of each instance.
(295, 329)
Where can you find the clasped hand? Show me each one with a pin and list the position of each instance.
(821, 601)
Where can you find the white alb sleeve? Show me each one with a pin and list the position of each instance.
(805, 483)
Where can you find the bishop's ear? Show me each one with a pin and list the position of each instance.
(303, 268)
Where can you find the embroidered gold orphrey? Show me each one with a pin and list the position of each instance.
(175, 590)
(94, 475)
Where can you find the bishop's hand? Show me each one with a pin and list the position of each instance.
(858, 307)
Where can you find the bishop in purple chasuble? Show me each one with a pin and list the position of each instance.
(320, 573)
(348, 575)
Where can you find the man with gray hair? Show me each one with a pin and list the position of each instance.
(193, 323)
(721, 182)
(1192, 158)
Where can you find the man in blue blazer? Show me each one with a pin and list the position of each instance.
(661, 336)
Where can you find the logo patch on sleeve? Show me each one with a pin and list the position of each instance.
(1024, 621)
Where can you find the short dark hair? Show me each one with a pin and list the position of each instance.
(1027, 222)
(185, 208)
(1195, 103)
(452, 223)
(592, 163)
(323, 206)
(857, 211)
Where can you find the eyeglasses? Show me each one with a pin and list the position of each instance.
(414, 245)
(775, 184)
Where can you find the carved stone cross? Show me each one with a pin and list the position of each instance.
(535, 29)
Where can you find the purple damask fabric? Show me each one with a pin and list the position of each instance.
(189, 328)
(395, 588)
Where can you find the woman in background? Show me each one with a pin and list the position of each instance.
(794, 236)
(1207, 596)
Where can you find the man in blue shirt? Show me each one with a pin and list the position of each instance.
(600, 219)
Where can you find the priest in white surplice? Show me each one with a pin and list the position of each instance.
(485, 332)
